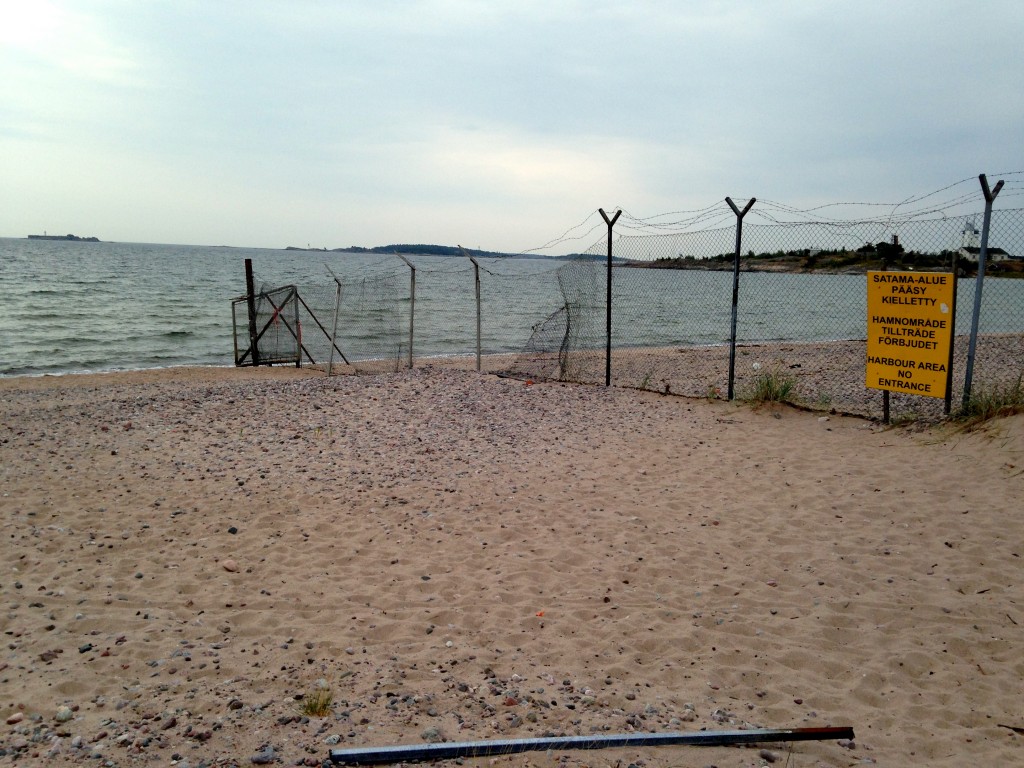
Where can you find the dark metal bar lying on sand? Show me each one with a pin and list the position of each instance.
(497, 747)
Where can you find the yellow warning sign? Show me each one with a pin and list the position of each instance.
(910, 318)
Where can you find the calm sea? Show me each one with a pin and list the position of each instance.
(75, 307)
(78, 307)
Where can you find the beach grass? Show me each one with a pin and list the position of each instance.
(988, 403)
(771, 386)
(318, 703)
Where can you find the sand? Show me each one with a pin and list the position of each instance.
(188, 554)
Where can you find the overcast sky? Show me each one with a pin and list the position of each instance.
(491, 124)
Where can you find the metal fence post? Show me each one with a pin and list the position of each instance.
(298, 330)
(608, 302)
(412, 302)
(250, 293)
(736, 289)
(979, 282)
(886, 398)
(334, 331)
(476, 279)
(476, 274)
(947, 405)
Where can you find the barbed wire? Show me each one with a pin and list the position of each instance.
(565, 236)
(709, 219)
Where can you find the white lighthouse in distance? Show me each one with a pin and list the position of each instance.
(970, 237)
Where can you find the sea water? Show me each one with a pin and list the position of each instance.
(83, 307)
(79, 306)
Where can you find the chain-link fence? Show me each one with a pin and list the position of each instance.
(800, 309)
(382, 312)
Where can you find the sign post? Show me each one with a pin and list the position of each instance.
(910, 318)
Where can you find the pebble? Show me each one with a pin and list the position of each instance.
(16, 718)
(265, 756)
(64, 714)
(432, 735)
(230, 566)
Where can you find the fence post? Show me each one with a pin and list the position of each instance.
(412, 302)
(736, 288)
(608, 302)
(886, 399)
(476, 279)
(334, 331)
(979, 282)
(476, 271)
(298, 330)
(250, 293)
(947, 405)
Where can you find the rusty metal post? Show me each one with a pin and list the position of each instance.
(979, 282)
(736, 289)
(250, 293)
(608, 302)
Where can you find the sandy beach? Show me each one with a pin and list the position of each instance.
(189, 554)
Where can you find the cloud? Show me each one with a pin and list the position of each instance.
(388, 118)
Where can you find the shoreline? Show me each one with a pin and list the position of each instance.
(826, 376)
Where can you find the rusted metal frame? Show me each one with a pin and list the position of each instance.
(321, 327)
(234, 330)
(278, 313)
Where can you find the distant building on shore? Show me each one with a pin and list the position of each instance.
(970, 245)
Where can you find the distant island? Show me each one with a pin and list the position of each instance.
(72, 238)
(870, 256)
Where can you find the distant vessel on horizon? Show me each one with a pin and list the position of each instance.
(74, 238)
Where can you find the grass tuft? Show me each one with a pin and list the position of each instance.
(771, 386)
(990, 403)
(317, 703)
